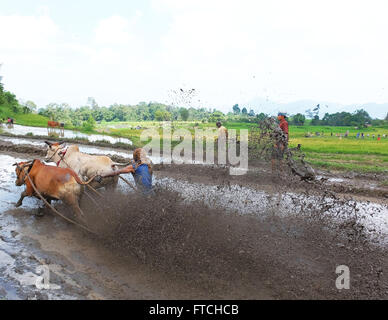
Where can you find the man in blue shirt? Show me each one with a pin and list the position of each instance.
(141, 170)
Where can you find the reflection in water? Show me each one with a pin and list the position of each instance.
(23, 130)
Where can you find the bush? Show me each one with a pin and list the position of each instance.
(89, 124)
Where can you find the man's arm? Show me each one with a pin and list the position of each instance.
(128, 169)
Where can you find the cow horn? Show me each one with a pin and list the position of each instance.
(15, 164)
(48, 143)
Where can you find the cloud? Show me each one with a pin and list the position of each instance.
(113, 31)
(293, 49)
(229, 51)
(44, 64)
(20, 32)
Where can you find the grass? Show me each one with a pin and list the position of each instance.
(29, 119)
(343, 146)
(346, 154)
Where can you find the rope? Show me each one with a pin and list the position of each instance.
(55, 210)
(128, 183)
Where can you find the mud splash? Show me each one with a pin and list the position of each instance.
(291, 256)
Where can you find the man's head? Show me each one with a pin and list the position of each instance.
(282, 116)
(139, 155)
(218, 124)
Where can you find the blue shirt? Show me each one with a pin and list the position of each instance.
(143, 178)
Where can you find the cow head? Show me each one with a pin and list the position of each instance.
(53, 150)
(21, 172)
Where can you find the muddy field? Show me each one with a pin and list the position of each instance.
(204, 235)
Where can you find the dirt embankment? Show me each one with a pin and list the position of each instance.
(100, 143)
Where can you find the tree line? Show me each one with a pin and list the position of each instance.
(86, 116)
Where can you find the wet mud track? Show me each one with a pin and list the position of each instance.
(204, 235)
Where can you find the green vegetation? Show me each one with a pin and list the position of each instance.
(323, 140)
(22, 114)
(340, 153)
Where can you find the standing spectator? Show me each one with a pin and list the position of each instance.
(222, 131)
(358, 135)
(280, 146)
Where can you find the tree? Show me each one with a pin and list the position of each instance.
(216, 116)
(244, 111)
(162, 115)
(315, 121)
(29, 107)
(386, 118)
(89, 124)
(251, 113)
(358, 118)
(184, 114)
(361, 118)
(299, 119)
(236, 109)
(159, 115)
(262, 116)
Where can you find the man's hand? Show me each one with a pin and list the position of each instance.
(128, 169)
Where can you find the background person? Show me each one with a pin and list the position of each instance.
(281, 144)
(222, 139)
(222, 131)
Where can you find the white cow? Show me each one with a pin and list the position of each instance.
(85, 165)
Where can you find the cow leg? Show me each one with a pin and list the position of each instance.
(22, 196)
(112, 184)
(72, 201)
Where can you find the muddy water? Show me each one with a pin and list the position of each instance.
(83, 148)
(201, 240)
(81, 267)
(23, 130)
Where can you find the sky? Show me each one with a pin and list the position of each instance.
(266, 55)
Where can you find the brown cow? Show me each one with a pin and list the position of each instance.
(52, 124)
(53, 183)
